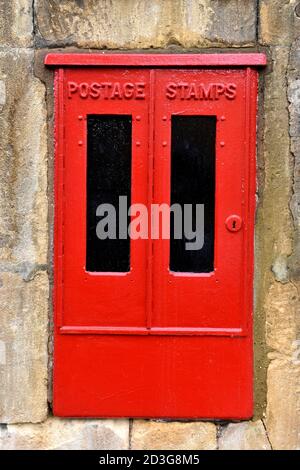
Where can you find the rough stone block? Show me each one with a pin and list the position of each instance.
(144, 24)
(282, 306)
(283, 407)
(274, 225)
(62, 434)
(279, 24)
(23, 351)
(294, 110)
(16, 23)
(226, 27)
(275, 230)
(173, 435)
(244, 436)
(23, 165)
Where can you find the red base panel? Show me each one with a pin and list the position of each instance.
(153, 377)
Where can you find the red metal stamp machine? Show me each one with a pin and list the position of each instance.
(154, 326)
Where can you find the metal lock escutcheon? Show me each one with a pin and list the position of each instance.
(234, 223)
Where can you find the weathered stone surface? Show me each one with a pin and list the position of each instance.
(23, 165)
(23, 211)
(226, 26)
(244, 436)
(23, 337)
(279, 24)
(142, 24)
(61, 434)
(274, 227)
(294, 110)
(283, 399)
(280, 298)
(283, 408)
(277, 295)
(16, 23)
(277, 377)
(173, 435)
(281, 320)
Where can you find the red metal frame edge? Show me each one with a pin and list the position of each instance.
(157, 60)
(152, 371)
(154, 331)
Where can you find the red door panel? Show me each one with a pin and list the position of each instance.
(214, 300)
(102, 299)
(154, 376)
(152, 341)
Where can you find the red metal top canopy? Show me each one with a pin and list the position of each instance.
(157, 60)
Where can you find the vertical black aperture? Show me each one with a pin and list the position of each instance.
(108, 177)
(193, 182)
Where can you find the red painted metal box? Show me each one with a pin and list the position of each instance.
(144, 326)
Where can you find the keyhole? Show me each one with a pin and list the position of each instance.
(233, 223)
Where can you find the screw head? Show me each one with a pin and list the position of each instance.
(138, 143)
(222, 143)
(80, 142)
(80, 117)
(164, 143)
(164, 118)
(138, 118)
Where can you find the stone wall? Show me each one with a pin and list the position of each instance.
(27, 30)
